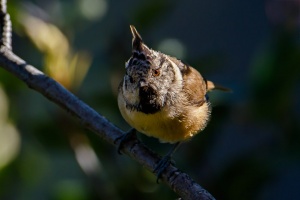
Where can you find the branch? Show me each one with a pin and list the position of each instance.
(5, 27)
(178, 181)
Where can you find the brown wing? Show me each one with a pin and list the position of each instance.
(194, 86)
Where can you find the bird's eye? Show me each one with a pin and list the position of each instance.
(156, 72)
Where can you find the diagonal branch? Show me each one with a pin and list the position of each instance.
(5, 27)
(178, 181)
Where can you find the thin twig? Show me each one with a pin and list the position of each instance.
(178, 181)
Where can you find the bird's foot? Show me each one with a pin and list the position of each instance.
(165, 162)
(121, 139)
(162, 165)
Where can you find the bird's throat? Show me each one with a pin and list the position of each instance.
(148, 100)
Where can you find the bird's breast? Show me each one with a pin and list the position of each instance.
(165, 125)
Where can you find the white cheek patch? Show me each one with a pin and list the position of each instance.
(130, 94)
(131, 97)
(124, 88)
(178, 75)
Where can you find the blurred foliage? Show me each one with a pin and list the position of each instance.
(59, 62)
(9, 136)
(250, 149)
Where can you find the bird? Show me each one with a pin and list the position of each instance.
(162, 97)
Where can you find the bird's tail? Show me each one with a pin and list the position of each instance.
(212, 86)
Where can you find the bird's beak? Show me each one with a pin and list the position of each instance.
(143, 83)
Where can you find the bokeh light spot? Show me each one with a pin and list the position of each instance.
(93, 9)
(172, 47)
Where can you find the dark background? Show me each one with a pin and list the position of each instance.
(250, 149)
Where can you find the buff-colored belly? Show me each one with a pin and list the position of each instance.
(157, 125)
(165, 127)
